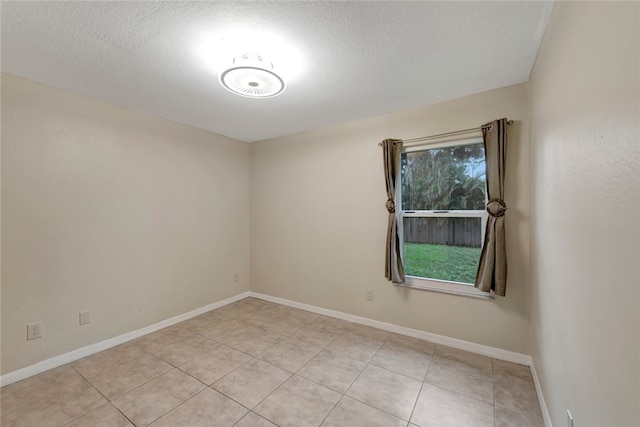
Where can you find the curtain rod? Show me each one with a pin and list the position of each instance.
(441, 135)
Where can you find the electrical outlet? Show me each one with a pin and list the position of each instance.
(369, 294)
(569, 419)
(236, 277)
(84, 318)
(34, 330)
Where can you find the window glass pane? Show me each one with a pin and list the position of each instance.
(450, 178)
(442, 248)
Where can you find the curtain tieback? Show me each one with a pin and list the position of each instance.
(496, 207)
(390, 205)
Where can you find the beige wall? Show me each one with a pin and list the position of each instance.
(131, 217)
(318, 222)
(585, 157)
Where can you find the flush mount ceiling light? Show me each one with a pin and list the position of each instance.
(252, 76)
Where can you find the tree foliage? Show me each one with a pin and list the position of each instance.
(451, 178)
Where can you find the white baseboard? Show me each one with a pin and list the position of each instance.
(493, 352)
(74, 355)
(543, 404)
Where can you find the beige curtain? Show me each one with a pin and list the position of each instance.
(492, 270)
(393, 268)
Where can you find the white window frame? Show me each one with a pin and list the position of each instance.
(439, 285)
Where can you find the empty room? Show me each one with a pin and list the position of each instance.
(319, 213)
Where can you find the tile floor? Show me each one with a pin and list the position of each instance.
(258, 364)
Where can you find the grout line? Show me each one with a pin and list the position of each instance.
(416, 402)
(100, 393)
(493, 385)
(123, 414)
(229, 397)
(273, 391)
(458, 393)
(392, 371)
(256, 414)
(231, 371)
(493, 393)
(332, 409)
(177, 406)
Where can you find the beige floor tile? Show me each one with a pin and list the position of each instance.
(482, 362)
(367, 331)
(62, 376)
(414, 343)
(275, 309)
(393, 393)
(253, 304)
(233, 310)
(194, 322)
(437, 407)
(182, 329)
(298, 403)
(156, 341)
(215, 364)
(185, 349)
(271, 308)
(104, 416)
(258, 318)
(57, 396)
(316, 337)
(517, 395)
(70, 391)
(19, 396)
(402, 360)
(302, 315)
(333, 370)
(207, 408)
(507, 418)
(127, 376)
(281, 325)
(76, 405)
(247, 311)
(356, 346)
(256, 303)
(147, 403)
(209, 317)
(47, 415)
(290, 354)
(96, 363)
(501, 367)
(254, 420)
(196, 326)
(328, 323)
(251, 382)
(219, 329)
(350, 412)
(252, 340)
(461, 378)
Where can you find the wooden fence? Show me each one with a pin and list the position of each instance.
(444, 231)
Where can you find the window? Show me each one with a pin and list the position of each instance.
(442, 216)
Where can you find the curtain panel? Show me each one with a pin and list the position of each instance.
(492, 269)
(393, 268)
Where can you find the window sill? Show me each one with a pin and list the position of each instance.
(443, 286)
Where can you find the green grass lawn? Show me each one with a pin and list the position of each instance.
(443, 262)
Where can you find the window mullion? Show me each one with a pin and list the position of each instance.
(450, 213)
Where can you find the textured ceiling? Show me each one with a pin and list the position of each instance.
(342, 60)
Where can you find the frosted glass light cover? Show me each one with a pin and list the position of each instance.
(251, 76)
